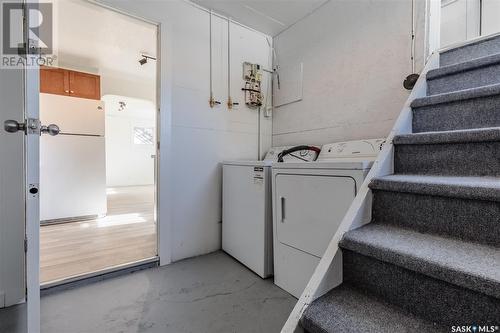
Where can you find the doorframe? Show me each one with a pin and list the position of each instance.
(157, 119)
(31, 77)
(164, 103)
(126, 266)
(432, 27)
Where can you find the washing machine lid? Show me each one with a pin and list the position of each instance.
(248, 163)
(298, 156)
(272, 156)
(340, 164)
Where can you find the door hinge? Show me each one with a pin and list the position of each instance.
(25, 245)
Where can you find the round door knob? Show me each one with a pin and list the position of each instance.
(12, 126)
(51, 129)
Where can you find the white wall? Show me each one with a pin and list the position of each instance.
(128, 163)
(355, 57)
(195, 138)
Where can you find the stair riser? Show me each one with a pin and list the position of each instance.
(470, 52)
(470, 220)
(467, 114)
(452, 159)
(466, 80)
(421, 295)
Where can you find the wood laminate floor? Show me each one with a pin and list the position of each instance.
(126, 234)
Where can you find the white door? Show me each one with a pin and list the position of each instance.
(310, 209)
(12, 197)
(19, 202)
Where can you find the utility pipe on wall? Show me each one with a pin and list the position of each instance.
(229, 100)
(410, 81)
(212, 102)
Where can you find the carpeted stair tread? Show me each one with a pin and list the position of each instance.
(463, 67)
(472, 50)
(457, 96)
(471, 74)
(347, 309)
(475, 188)
(488, 134)
(466, 264)
(465, 208)
(424, 296)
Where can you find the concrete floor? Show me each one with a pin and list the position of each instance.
(211, 293)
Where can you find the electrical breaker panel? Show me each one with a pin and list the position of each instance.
(252, 75)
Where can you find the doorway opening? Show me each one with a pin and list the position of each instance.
(98, 174)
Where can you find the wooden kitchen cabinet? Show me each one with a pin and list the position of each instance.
(54, 81)
(84, 85)
(69, 83)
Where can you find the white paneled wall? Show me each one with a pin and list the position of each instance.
(460, 21)
(490, 20)
(248, 46)
(355, 56)
(194, 137)
(204, 137)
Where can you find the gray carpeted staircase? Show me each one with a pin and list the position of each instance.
(430, 258)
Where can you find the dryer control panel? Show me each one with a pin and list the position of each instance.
(298, 156)
(366, 149)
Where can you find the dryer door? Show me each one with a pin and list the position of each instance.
(310, 209)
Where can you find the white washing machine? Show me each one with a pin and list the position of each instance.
(247, 209)
(309, 203)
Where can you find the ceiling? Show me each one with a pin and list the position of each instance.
(268, 16)
(121, 41)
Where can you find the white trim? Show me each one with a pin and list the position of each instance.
(432, 27)
(360, 211)
(32, 171)
(111, 269)
(467, 42)
(158, 119)
(32, 206)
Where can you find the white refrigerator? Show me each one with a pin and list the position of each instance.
(73, 163)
